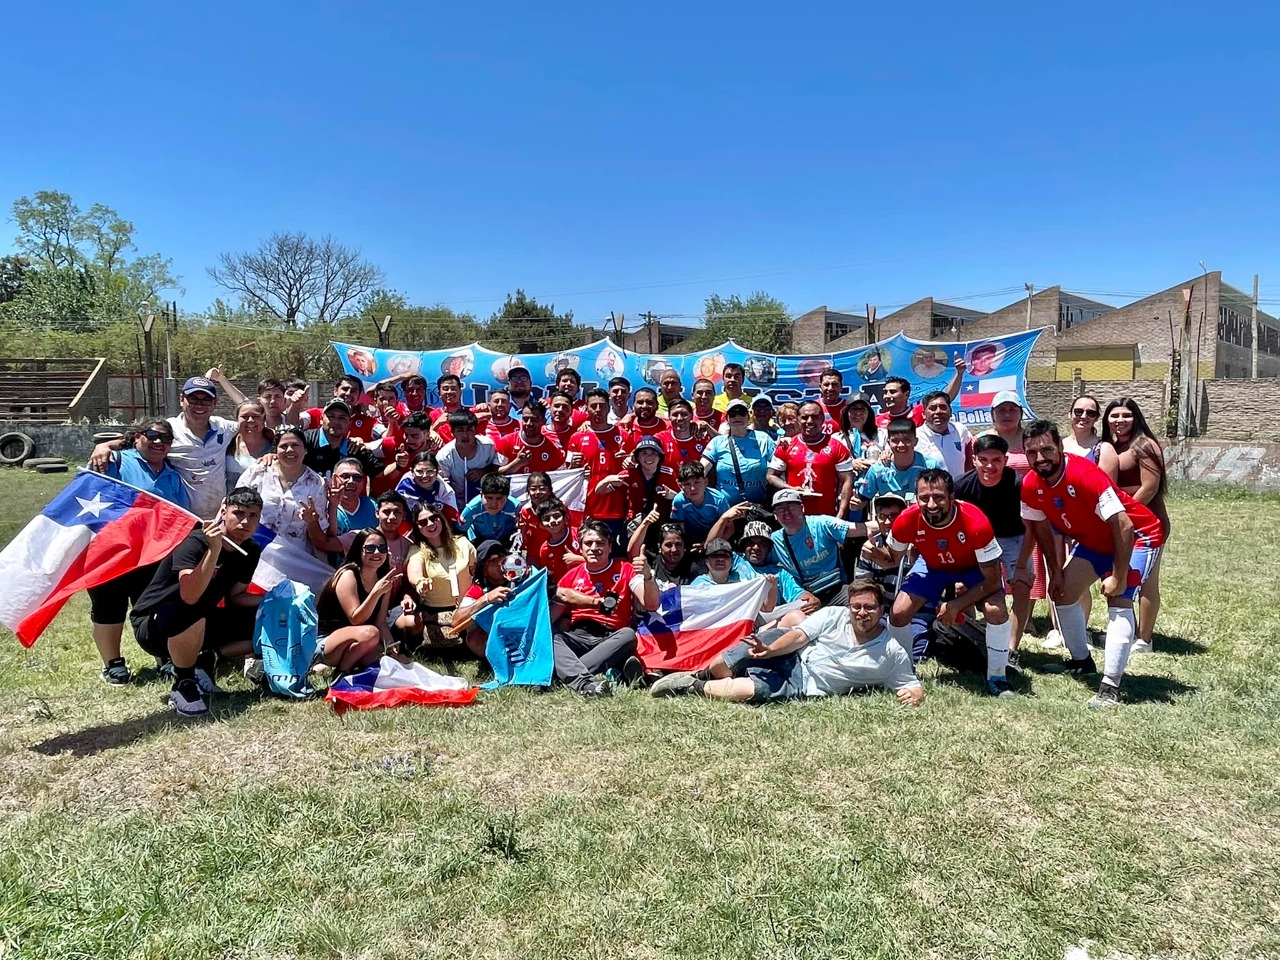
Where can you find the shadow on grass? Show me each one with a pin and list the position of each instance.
(1177, 646)
(1148, 689)
(110, 736)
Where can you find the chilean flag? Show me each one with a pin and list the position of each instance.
(980, 393)
(95, 530)
(693, 624)
(390, 683)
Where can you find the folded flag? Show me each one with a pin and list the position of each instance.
(282, 560)
(693, 624)
(569, 487)
(98, 528)
(285, 636)
(390, 683)
(980, 393)
(519, 647)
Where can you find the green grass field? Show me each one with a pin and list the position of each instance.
(542, 825)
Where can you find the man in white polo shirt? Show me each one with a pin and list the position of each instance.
(941, 437)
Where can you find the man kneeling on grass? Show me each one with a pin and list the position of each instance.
(834, 651)
(179, 612)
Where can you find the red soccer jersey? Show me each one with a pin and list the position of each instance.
(561, 436)
(496, 431)
(531, 532)
(613, 580)
(713, 419)
(602, 454)
(544, 455)
(815, 467)
(551, 556)
(1081, 502)
(676, 452)
(960, 545)
(831, 422)
(639, 429)
(916, 414)
(640, 494)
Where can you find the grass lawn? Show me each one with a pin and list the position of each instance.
(542, 825)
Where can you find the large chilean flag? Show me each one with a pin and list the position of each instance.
(95, 530)
(693, 624)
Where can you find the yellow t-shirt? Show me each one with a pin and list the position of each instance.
(448, 582)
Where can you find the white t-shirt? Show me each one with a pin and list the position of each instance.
(281, 507)
(202, 462)
(834, 662)
(947, 448)
(454, 466)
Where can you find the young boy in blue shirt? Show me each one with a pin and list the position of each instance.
(697, 506)
(491, 515)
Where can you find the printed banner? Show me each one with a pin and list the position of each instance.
(995, 364)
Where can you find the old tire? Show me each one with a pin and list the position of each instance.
(14, 448)
(32, 462)
(52, 468)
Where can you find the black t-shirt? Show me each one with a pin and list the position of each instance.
(1001, 504)
(322, 459)
(232, 568)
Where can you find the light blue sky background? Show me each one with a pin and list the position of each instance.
(642, 156)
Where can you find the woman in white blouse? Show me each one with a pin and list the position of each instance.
(286, 486)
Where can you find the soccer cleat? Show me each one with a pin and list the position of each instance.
(675, 685)
(1140, 646)
(116, 673)
(1053, 641)
(632, 671)
(1015, 662)
(1080, 668)
(187, 699)
(999, 687)
(206, 683)
(1108, 695)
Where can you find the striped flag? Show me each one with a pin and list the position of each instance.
(390, 683)
(980, 393)
(693, 624)
(282, 560)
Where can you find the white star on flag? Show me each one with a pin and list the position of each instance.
(94, 506)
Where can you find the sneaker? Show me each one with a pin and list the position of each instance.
(206, 683)
(165, 669)
(598, 688)
(1015, 662)
(116, 673)
(633, 671)
(1053, 641)
(674, 685)
(1107, 696)
(999, 687)
(187, 699)
(1080, 668)
(253, 670)
(1140, 646)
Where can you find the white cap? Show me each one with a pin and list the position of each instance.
(1006, 396)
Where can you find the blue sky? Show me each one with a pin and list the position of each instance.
(645, 157)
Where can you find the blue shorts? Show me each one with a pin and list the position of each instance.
(930, 585)
(774, 678)
(1141, 563)
(1010, 550)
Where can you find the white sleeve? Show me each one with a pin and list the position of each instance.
(822, 621)
(899, 674)
(845, 466)
(1031, 513)
(988, 553)
(776, 464)
(1109, 504)
(892, 543)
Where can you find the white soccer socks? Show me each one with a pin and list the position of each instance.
(1121, 627)
(998, 635)
(1072, 624)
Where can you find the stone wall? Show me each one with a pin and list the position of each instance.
(74, 441)
(1239, 409)
(1255, 466)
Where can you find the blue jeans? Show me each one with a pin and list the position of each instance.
(774, 678)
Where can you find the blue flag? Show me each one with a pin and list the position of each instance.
(519, 648)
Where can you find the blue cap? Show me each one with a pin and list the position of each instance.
(648, 443)
(200, 385)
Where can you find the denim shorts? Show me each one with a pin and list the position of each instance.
(1010, 550)
(774, 678)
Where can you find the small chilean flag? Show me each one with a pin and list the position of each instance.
(980, 393)
(693, 624)
(95, 530)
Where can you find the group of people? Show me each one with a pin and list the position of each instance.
(878, 530)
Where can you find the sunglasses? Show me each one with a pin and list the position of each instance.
(372, 548)
(158, 436)
(428, 521)
(1091, 414)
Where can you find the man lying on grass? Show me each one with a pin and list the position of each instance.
(834, 651)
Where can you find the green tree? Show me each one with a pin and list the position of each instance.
(525, 326)
(760, 322)
(13, 272)
(80, 271)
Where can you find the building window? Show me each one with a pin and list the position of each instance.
(835, 330)
(941, 328)
(668, 340)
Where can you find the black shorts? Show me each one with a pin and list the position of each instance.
(223, 626)
(110, 602)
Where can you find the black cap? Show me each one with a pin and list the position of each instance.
(488, 548)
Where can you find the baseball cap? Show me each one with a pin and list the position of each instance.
(511, 371)
(861, 398)
(756, 529)
(488, 548)
(762, 401)
(786, 496)
(1006, 396)
(200, 385)
(888, 498)
(718, 545)
(336, 404)
(737, 403)
(648, 443)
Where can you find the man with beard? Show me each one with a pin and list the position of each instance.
(955, 544)
(644, 421)
(816, 464)
(501, 423)
(520, 383)
(1117, 540)
(603, 448)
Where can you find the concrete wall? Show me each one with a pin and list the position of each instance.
(74, 441)
(1051, 399)
(1255, 466)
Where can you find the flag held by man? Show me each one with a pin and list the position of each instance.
(519, 647)
(693, 624)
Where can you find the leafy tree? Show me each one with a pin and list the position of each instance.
(525, 326)
(760, 322)
(297, 279)
(13, 272)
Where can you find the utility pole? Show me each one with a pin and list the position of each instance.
(872, 335)
(1031, 289)
(1256, 329)
(384, 337)
(649, 319)
(148, 320)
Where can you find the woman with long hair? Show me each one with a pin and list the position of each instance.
(858, 432)
(253, 440)
(1131, 455)
(439, 573)
(352, 606)
(1082, 440)
(286, 485)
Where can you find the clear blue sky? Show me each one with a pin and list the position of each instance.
(642, 156)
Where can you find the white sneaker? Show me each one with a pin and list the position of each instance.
(1139, 646)
(1053, 641)
(206, 683)
(253, 671)
(187, 700)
